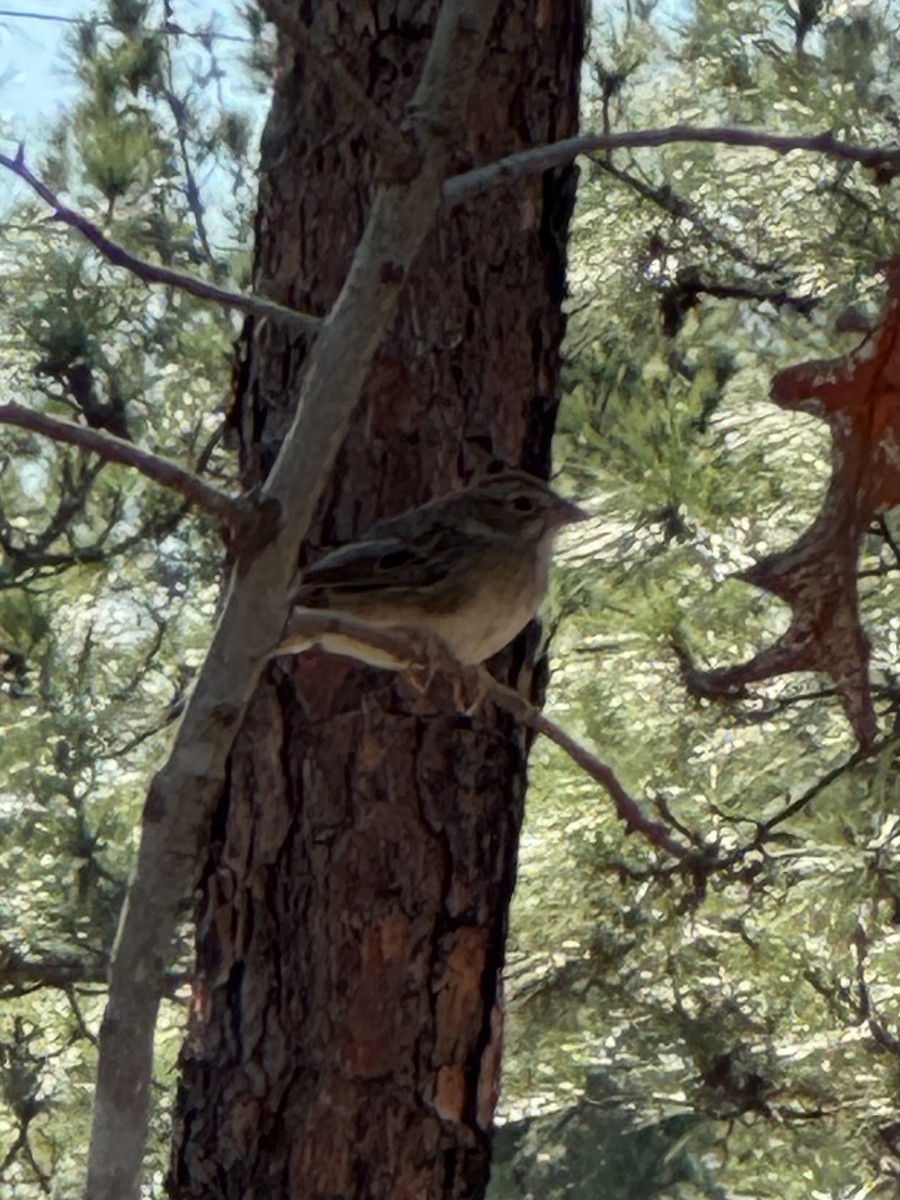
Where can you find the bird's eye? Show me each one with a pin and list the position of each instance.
(523, 504)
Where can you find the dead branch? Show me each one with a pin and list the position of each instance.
(556, 154)
(115, 449)
(152, 272)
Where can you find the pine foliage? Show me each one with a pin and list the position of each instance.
(108, 584)
(735, 1019)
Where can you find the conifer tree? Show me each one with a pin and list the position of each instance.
(706, 1007)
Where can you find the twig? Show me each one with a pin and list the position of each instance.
(676, 206)
(29, 566)
(152, 272)
(867, 1008)
(169, 29)
(555, 154)
(778, 298)
(80, 1022)
(627, 808)
(178, 109)
(406, 649)
(811, 792)
(399, 159)
(116, 753)
(115, 449)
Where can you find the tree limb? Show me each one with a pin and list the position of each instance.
(556, 154)
(405, 650)
(455, 189)
(115, 449)
(183, 794)
(152, 272)
(627, 808)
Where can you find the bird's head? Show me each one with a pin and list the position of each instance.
(516, 504)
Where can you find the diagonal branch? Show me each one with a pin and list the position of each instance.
(627, 808)
(183, 794)
(115, 449)
(148, 271)
(666, 198)
(418, 653)
(556, 154)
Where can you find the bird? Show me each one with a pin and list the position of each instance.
(470, 568)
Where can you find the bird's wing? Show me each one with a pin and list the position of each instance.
(378, 565)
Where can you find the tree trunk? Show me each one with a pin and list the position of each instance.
(344, 1033)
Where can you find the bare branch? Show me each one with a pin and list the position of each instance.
(178, 109)
(169, 29)
(627, 808)
(402, 649)
(183, 794)
(666, 198)
(398, 158)
(20, 975)
(31, 564)
(811, 792)
(78, 1015)
(401, 161)
(777, 297)
(556, 154)
(867, 1007)
(152, 272)
(115, 449)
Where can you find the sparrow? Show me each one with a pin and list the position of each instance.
(470, 568)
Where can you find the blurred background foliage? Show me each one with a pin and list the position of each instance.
(735, 1033)
(108, 584)
(728, 1032)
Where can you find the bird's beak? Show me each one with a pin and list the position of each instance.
(571, 512)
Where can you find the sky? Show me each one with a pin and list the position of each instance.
(36, 79)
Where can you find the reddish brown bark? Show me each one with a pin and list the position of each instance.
(344, 1039)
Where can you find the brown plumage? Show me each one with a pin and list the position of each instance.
(471, 567)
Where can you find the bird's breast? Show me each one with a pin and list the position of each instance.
(499, 606)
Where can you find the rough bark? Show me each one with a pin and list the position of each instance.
(183, 796)
(344, 1037)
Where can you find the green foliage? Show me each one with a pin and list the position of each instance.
(754, 996)
(730, 1030)
(108, 584)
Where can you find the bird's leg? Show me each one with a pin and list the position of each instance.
(471, 687)
(433, 657)
(430, 656)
